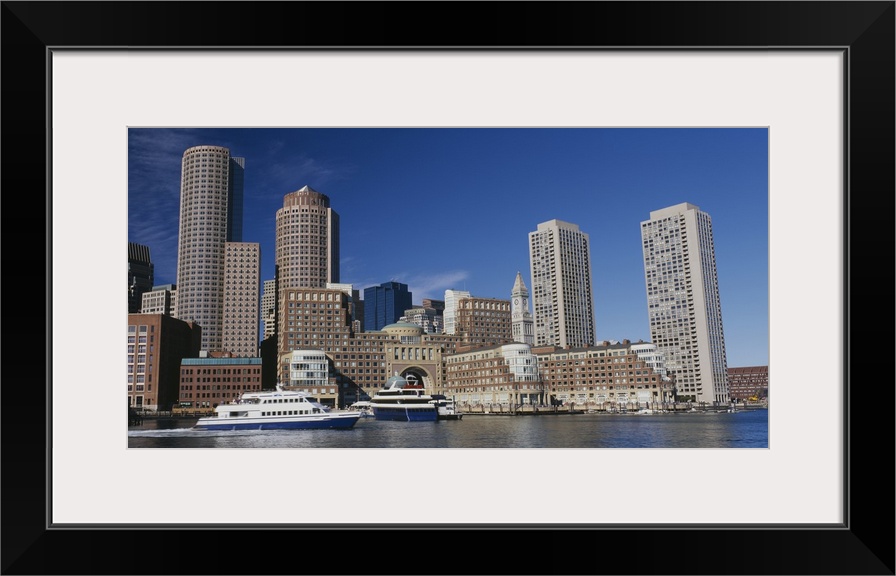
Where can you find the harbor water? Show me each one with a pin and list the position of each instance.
(741, 429)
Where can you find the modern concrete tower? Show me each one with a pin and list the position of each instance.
(449, 315)
(211, 200)
(563, 304)
(306, 243)
(683, 302)
(140, 275)
(242, 275)
(523, 325)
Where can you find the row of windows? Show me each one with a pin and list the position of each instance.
(190, 387)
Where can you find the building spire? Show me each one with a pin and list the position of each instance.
(519, 287)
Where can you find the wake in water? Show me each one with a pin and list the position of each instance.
(193, 433)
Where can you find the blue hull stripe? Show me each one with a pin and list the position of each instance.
(337, 423)
(402, 415)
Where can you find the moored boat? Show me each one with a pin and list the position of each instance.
(362, 406)
(446, 407)
(404, 399)
(276, 410)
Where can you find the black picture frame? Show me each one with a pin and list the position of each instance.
(863, 30)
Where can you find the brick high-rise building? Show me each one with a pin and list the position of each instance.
(156, 346)
(306, 243)
(242, 274)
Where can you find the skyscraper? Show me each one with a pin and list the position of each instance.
(242, 274)
(563, 304)
(306, 243)
(523, 326)
(211, 197)
(140, 275)
(683, 302)
(385, 304)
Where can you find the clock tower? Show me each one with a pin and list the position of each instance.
(521, 318)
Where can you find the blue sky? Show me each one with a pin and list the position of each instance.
(452, 208)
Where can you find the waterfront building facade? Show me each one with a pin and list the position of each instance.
(207, 382)
(269, 308)
(562, 299)
(521, 319)
(306, 243)
(140, 275)
(683, 304)
(651, 355)
(450, 312)
(408, 350)
(211, 198)
(384, 304)
(307, 370)
(483, 321)
(160, 300)
(242, 275)
(156, 346)
(748, 383)
(607, 376)
(361, 362)
(505, 374)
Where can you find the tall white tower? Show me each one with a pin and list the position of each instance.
(563, 304)
(521, 318)
(683, 302)
(211, 205)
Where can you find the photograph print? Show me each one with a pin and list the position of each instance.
(448, 287)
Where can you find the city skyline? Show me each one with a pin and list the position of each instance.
(448, 208)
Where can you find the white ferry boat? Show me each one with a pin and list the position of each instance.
(404, 400)
(276, 410)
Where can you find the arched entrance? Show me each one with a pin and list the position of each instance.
(422, 376)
